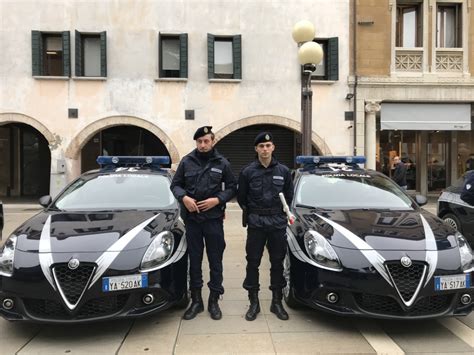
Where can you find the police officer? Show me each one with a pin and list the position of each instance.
(203, 183)
(259, 185)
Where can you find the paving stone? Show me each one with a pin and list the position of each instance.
(97, 338)
(425, 336)
(346, 342)
(153, 335)
(203, 324)
(468, 320)
(225, 343)
(308, 322)
(13, 336)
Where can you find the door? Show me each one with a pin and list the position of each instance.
(437, 160)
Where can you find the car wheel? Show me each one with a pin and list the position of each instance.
(288, 291)
(453, 221)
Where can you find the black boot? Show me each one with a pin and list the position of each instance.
(197, 306)
(254, 307)
(277, 307)
(213, 306)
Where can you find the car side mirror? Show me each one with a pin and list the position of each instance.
(45, 200)
(421, 200)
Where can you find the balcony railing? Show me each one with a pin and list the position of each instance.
(449, 59)
(409, 60)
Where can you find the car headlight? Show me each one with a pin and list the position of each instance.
(159, 251)
(7, 255)
(320, 251)
(466, 252)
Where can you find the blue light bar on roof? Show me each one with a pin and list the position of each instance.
(313, 159)
(130, 160)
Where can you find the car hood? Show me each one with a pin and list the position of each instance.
(378, 229)
(67, 232)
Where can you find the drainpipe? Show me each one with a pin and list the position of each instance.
(354, 70)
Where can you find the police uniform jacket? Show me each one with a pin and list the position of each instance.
(201, 180)
(258, 194)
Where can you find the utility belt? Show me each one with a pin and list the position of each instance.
(266, 211)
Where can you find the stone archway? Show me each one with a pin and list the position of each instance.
(276, 120)
(26, 155)
(11, 117)
(74, 148)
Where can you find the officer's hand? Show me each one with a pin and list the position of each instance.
(190, 204)
(207, 204)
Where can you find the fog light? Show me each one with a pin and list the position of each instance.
(332, 297)
(148, 298)
(8, 303)
(466, 299)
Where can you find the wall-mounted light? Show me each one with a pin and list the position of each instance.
(349, 96)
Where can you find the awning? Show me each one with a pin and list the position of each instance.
(426, 117)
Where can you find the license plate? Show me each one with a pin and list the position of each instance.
(453, 282)
(128, 282)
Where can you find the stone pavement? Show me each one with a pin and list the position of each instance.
(307, 331)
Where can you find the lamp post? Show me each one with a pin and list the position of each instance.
(309, 55)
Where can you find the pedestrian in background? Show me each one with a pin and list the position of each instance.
(259, 185)
(203, 183)
(470, 162)
(400, 173)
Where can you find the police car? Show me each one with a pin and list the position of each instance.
(456, 212)
(110, 245)
(361, 246)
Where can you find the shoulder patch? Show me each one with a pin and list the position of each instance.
(215, 170)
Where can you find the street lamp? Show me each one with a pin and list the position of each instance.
(310, 54)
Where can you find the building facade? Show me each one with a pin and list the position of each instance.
(413, 85)
(86, 78)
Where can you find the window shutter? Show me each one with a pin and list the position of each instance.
(210, 56)
(66, 53)
(237, 56)
(183, 55)
(78, 54)
(36, 53)
(160, 57)
(332, 56)
(103, 54)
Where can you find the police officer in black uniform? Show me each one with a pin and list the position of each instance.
(203, 183)
(259, 185)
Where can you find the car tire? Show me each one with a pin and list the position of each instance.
(453, 221)
(289, 291)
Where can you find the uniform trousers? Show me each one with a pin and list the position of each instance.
(210, 232)
(275, 239)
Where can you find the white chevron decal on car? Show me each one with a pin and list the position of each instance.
(370, 254)
(431, 249)
(44, 252)
(108, 257)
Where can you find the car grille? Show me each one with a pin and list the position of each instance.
(97, 307)
(73, 282)
(385, 305)
(406, 279)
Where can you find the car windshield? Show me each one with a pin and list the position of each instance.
(351, 191)
(117, 191)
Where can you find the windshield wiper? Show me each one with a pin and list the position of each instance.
(306, 206)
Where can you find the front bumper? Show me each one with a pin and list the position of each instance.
(366, 293)
(35, 300)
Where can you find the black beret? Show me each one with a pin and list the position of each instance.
(263, 137)
(202, 131)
